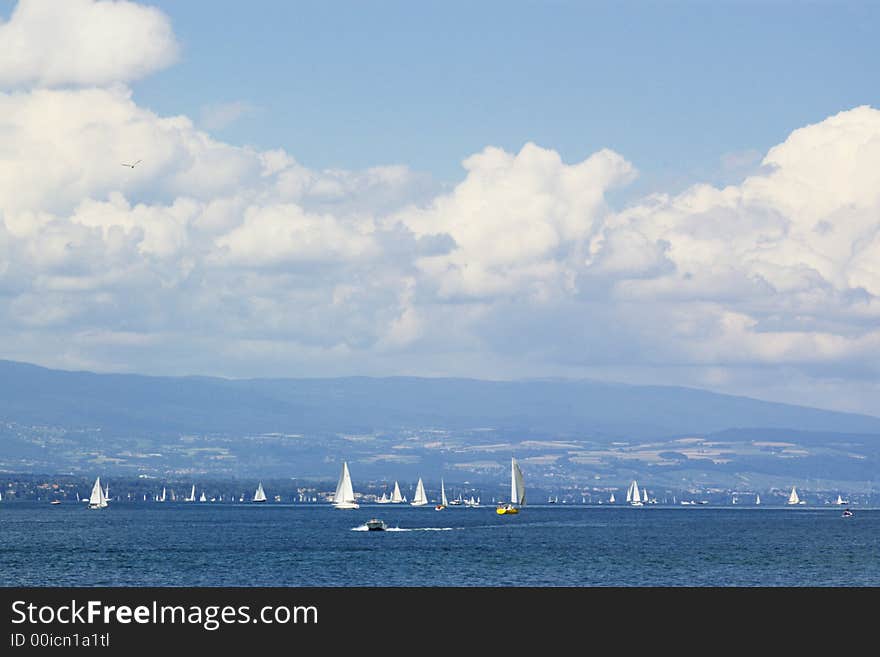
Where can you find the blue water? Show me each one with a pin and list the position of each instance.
(305, 545)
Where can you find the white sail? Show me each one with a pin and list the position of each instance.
(420, 499)
(162, 499)
(192, 495)
(97, 500)
(396, 497)
(203, 498)
(344, 497)
(106, 493)
(757, 499)
(260, 495)
(443, 500)
(611, 499)
(793, 498)
(517, 484)
(633, 496)
(839, 499)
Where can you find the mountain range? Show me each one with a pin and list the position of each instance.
(54, 420)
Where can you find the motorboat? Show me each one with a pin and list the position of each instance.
(376, 525)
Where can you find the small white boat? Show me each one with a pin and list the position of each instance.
(260, 494)
(794, 498)
(633, 496)
(97, 500)
(344, 496)
(420, 499)
(396, 497)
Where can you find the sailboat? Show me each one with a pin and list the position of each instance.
(97, 500)
(420, 499)
(443, 501)
(632, 494)
(260, 495)
(203, 498)
(162, 499)
(192, 495)
(611, 499)
(344, 497)
(757, 499)
(793, 498)
(517, 491)
(396, 497)
(840, 501)
(383, 500)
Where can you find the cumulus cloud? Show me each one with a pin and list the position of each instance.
(220, 259)
(83, 43)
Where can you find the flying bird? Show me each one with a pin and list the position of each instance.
(131, 166)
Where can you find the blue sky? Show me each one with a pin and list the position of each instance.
(673, 86)
(674, 193)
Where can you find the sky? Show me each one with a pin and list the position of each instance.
(676, 193)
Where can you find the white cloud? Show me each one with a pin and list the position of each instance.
(83, 42)
(518, 220)
(214, 258)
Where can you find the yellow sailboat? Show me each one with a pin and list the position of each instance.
(517, 491)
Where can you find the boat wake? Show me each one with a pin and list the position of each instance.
(364, 528)
(420, 529)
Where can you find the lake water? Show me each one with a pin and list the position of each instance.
(139, 544)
